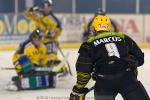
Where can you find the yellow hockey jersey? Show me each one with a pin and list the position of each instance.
(45, 24)
(37, 55)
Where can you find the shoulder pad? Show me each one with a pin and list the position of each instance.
(43, 46)
(105, 34)
(28, 44)
(84, 47)
(23, 45)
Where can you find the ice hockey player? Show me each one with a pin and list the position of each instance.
(50, 33)
(51, 41)
(30, 56)
(88, 29)
(112, 58)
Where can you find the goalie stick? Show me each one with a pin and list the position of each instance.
(41, 69)
(69, 67)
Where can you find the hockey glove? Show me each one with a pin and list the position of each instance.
(78, 94)
(132, 62)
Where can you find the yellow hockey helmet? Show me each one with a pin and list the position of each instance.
(101, 23)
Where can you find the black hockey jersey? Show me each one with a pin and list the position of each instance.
(108, 52)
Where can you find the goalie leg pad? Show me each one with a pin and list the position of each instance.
(37, 82)
(52, 79)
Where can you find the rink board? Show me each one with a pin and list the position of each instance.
(63, 46)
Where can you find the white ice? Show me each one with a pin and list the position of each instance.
(63, 87)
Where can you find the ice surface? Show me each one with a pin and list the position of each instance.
(63, 87)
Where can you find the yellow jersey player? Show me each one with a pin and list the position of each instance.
(31, 54)
(52, 46)
(51, 30)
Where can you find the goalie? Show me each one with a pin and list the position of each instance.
(31, 55)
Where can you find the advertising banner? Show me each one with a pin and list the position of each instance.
(14, 29)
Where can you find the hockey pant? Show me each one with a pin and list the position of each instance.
(128, 86)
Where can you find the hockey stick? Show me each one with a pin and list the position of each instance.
(69, 67)
(36, 69)
(90, 89)
(41, 69)
(84, 96)
(7, 68)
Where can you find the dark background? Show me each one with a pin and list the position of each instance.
(82, 6)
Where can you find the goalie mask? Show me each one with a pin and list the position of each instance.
(35, 34)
